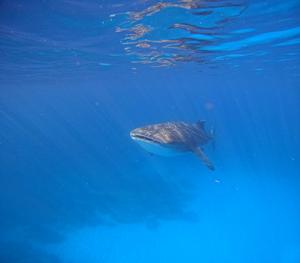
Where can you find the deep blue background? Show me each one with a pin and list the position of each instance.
(75, 188)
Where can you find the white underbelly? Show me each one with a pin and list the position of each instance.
(158, 149)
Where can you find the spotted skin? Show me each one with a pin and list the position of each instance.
(180, 136)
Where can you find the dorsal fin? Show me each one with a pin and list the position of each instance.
(201, 124)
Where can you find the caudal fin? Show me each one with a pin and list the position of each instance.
(199, 152)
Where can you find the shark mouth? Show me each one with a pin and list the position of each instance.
(141, 138)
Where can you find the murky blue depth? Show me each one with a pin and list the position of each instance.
(77, 76)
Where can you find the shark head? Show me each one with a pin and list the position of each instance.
(151, 139)
(143, 134)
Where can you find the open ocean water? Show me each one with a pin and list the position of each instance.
(77, 76)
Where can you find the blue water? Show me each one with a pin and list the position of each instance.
(77, 76)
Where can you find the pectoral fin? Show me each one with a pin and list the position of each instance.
(199, 152)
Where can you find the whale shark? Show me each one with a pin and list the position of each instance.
(174, 138)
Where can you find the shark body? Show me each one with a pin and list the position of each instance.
(173, 138)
